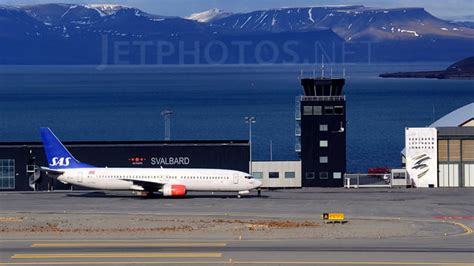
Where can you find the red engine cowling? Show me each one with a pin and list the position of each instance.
(174, 190)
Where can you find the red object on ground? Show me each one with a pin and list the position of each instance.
(379, 170)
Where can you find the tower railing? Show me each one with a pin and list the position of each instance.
(322, 98)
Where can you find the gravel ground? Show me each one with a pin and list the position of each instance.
(18, 225)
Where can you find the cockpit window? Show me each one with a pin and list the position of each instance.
(248, 177)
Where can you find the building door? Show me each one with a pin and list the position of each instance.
(236, 178)
(468, 180)
(449, 175)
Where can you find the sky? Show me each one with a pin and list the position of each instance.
(447, 9)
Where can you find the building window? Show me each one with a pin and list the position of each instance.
(307, 110)
(323, 159)
(7, 174)
(338, 110)
(289, 174)
(323, 175)
(328, 110)
(309, 175)
(399, 176)
(323, 143)
(257, 175)
(337, 175)
(323, 127)
(273, 175)
(317, 110)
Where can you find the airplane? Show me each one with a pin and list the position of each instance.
(170, 182)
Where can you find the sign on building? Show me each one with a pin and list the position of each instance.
(421, 151)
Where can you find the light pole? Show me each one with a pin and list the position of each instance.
(167, 116)
(250, 120)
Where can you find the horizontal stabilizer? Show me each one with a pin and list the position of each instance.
(51, 172)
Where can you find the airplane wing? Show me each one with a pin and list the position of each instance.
(145, 184)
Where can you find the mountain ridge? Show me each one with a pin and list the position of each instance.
(462, 69)
(75, 34)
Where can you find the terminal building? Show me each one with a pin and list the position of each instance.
(442, 155)
(20, 162)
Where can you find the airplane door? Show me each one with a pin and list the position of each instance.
(236, 178)
(79, 177)
(91, 177)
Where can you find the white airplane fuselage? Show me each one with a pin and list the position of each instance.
(130, 178)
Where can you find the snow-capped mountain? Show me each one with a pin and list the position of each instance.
(107, 19)
(81, 34)
(353, 23)
(209, 15)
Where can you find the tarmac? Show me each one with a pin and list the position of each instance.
(283, 227)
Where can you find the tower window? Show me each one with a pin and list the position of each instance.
(317, 110)
(338, 110)
(323, 143)
(323, 175)
(323, 159)
(309, 175)
(323, 127)
(328, 110)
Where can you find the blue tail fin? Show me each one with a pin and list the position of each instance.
(58, 156)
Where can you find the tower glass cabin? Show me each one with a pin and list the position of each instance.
(321, 132)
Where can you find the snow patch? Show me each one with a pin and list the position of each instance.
(209, 15)
(69, 9)
(310, 15)
(261, 16)
(248, 19)
(273, 21)
(235, 24)
(105, 9)
(444, 29)
(410, 31)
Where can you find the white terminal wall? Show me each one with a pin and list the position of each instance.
(421, 147)
(265, 167)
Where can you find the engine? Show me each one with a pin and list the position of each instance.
(173, 190)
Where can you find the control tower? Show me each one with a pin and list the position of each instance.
(321, 132)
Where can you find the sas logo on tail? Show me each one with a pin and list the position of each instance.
(56, 161)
